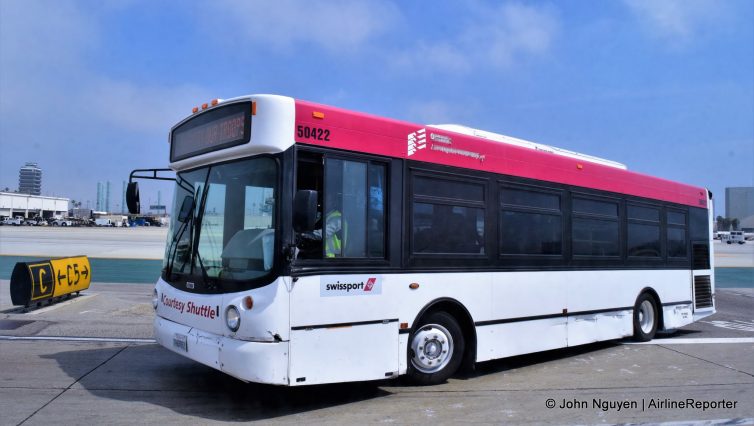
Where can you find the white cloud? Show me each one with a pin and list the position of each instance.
(332, 25)
(678, 21)
(512, 32)
(499, 37)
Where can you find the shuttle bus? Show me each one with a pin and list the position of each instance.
(311, 244)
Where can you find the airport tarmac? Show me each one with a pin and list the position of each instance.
(149, 243)
(142, 242)
(92, 360)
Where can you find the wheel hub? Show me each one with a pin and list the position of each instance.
(646, 316)
(432, 347)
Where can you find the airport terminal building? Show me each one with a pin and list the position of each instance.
(14, 204)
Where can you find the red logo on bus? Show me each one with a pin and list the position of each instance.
(369, 284)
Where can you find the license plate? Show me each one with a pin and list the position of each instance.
(180, 341)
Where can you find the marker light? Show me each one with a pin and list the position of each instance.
(253, 107)
(232, 318)
(155, 299)
(215, 102)
(317, 114)
(205, 106)
(248, 303)
(194, 110)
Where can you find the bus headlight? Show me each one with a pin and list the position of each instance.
(232, 318)
(155, 298)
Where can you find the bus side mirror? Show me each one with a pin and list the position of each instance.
(304, 210)
(186, 208)
(132, 198)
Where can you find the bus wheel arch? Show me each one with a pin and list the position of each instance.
(460, 315)
(647, 315)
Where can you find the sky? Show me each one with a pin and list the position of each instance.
(90, 89)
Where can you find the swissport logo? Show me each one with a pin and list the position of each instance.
(350, 285)
(370, 284)
(416, 140)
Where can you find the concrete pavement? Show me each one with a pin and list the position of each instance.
(77, 382)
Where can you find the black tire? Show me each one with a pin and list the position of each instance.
(646, 318)
(444, 335)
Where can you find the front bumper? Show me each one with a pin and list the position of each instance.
(258, 362)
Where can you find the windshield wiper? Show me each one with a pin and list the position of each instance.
(176, 237)
(196, 231)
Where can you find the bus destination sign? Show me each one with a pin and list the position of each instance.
(213, 130)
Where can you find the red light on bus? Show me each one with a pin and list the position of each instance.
(248, 302)
(215, 102)
(205, 106)
(319, 115)
(253, 107)
(579, 166)
(194, 110)
(413, 286)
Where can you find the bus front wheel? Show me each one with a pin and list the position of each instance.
(435, 349)
(646, 318)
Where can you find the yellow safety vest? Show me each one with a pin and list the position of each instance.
(333, 244)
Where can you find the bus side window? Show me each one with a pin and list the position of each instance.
(354, 218)
(351, 207)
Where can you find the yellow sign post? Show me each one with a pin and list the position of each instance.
(47, 279)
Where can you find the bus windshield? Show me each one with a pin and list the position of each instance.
(222, 230)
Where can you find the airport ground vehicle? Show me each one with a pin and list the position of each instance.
(13, 221)
(311, 244)
(62, 222)
(733, 237)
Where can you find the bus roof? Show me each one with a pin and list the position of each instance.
(461, 146)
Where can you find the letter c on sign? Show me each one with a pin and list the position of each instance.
(42, 287)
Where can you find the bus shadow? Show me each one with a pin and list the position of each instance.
(528, 360)
(150, 374)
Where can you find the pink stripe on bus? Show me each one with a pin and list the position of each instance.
(359, 132)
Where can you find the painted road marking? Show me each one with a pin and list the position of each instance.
(714, 422)
(710, 340)
(79, 339)
(733, 325)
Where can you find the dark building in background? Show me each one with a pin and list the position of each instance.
(30, 179)
(739, 204)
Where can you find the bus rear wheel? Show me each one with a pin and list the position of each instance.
(435, 349)
(646, 318)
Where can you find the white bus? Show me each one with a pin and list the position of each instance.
(310, 244)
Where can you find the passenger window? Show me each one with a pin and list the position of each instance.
(677, 235)
(530, 222)
(588, 206)
(440, 228)
(643, 238)
(595, 228)
(448, 216)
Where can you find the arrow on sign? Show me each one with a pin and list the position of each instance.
(60, 278)
(85, 272)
